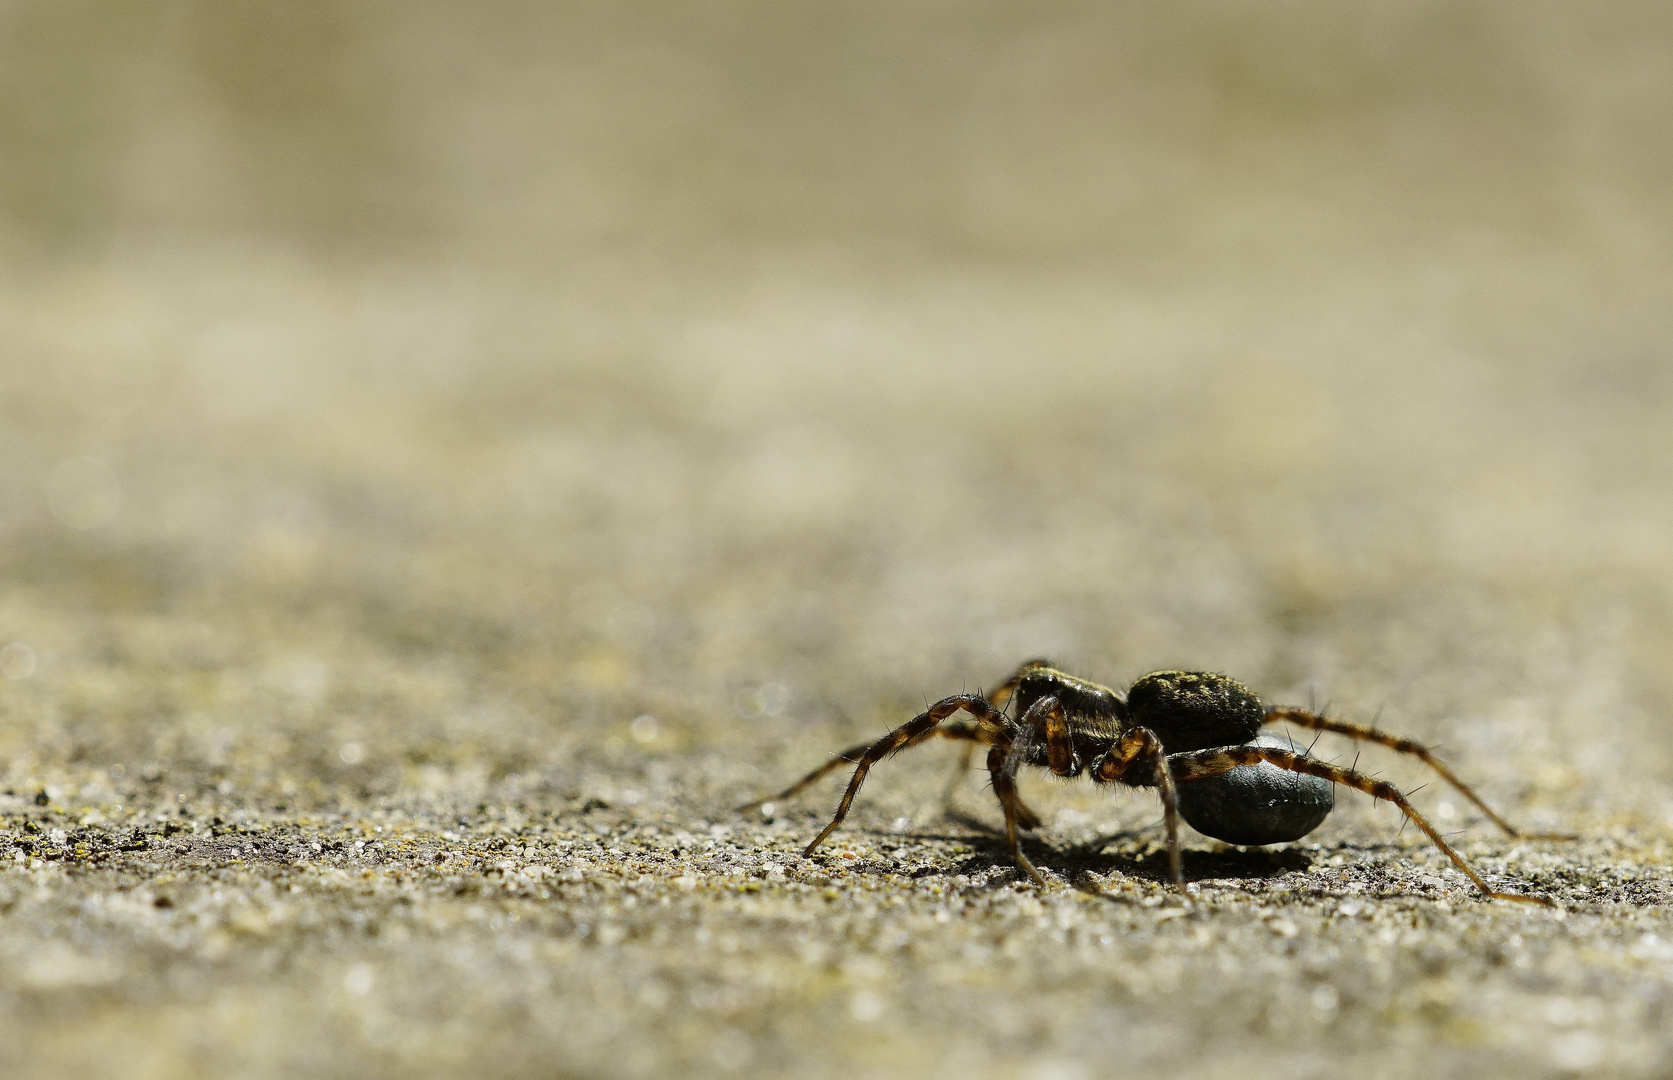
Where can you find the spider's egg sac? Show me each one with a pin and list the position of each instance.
(1257, 804)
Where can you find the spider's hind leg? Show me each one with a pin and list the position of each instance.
(1308, 719)
(1200, 764)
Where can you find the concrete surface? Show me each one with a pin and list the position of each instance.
(451, 458)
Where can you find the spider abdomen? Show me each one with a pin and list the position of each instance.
(1195, 710)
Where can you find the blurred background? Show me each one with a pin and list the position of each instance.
(409, 396)
(395, 366)
(555, 423)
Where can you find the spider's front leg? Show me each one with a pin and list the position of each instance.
(1002, 766)
(1044, 717)
(998, 696)
(967, 733)
(1026, 818)
(990, 728)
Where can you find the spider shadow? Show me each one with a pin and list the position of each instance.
(1083, 865)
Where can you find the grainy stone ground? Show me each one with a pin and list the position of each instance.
(388, 630)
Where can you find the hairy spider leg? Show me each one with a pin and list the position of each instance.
(1046, 717)
(1141, 748)
(998, 696)
(1026, 818)
(1307, 719)
(1201, 764)
(968, 733)
(990, 728)
(1002, 767)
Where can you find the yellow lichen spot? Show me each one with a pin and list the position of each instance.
(603, 668)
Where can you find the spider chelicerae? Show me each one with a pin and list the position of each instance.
(1194, 736)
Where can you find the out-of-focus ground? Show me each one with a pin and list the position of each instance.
(450, 454)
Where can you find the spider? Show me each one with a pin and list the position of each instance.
(1194, 736)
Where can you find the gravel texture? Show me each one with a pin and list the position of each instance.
(559, 430)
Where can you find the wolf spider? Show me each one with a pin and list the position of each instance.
(1193, 736)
